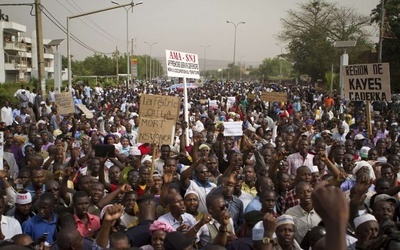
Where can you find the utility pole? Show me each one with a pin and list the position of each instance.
(132, 76)
(116, 55)
(40, 51)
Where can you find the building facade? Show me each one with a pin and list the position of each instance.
(18, 54)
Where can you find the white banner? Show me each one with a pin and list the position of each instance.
(233, 128)
(182, 64)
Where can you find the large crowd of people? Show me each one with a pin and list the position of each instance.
(306, 173)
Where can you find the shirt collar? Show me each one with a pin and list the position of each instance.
(208, 184)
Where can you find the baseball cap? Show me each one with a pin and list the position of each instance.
(359, 137)
(364, 152)
(385, 197)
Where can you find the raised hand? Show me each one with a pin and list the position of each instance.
(269, 223)
(329, 203)
(113, 212)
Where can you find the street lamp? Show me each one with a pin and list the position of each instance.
(127, 38)
(150, 45)
(69, 36)
(280, 63)
(205, 51)
(234, 43)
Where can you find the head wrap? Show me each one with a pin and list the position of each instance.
(146, 158)
(23, 198)
(20, 139)
(362, 164)
(204, 146)
(159, 225)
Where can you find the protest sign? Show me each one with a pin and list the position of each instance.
(182, 64)
(64, 103)
(213, 104)
(86, 111)
(157, 118)
(159, 131)
(233, 128)
(230, 102)
(274, 96)
(159, 106)
(251, 96)
(366, 82)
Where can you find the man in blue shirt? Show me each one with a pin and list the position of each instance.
(43, 225)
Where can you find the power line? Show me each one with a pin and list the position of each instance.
(72, 13)
(63, 29)
(116, 39)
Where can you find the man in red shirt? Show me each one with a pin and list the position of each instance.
(87, 224)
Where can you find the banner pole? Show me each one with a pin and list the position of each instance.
(186, 110)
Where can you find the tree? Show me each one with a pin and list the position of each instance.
(277, 67)
(311, 30)
(391, 38)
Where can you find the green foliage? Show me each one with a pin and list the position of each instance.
(272, 67)
(391, 38)
(7, 90)
(102, 65)
(310, 31)
(328, 79)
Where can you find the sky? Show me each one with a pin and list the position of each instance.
(181, 25)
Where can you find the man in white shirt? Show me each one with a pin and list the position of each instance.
(302, 158)
(304, 214)
(177, 217)
(9, 225)
(7, 114)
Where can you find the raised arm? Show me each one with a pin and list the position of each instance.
(330, 203)
(112, 214)
(111, 196)
(102, 175)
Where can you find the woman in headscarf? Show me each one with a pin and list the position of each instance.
(158, 231)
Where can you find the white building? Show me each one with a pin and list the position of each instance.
(18, 54)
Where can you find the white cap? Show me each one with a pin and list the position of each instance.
(258, 231)
(364, 151)
(146, 158)
(362, 219)
(359, 137)
(284, 219)
(23, 199)
(191, 191)
(251, 129)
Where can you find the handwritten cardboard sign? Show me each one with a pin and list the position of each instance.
(274, 96)
(159, 107)
(64, 103)
(157, 118)
(159, 131)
